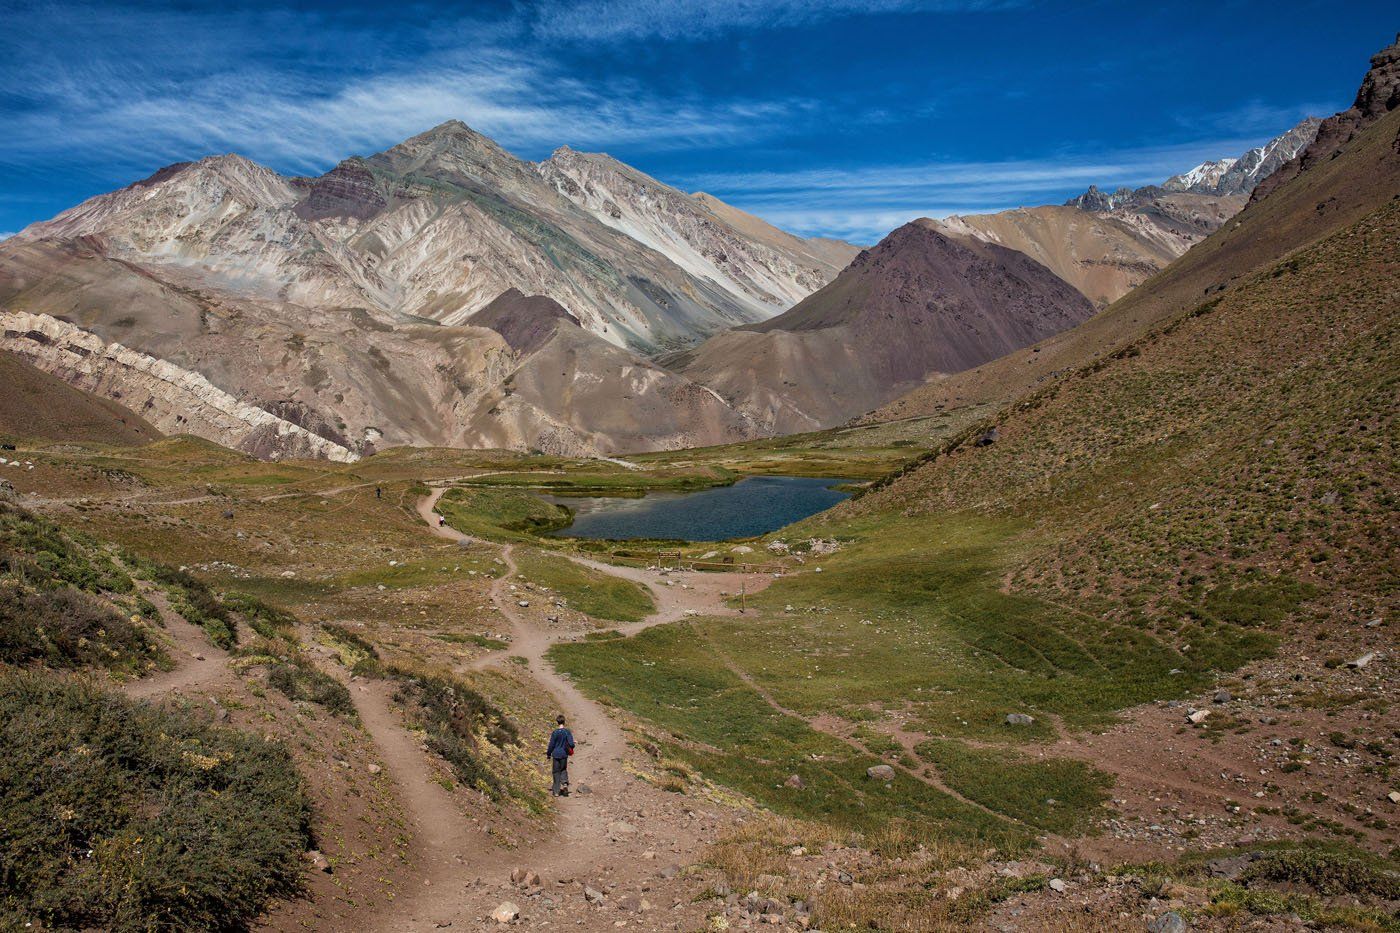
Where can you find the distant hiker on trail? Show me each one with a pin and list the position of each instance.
(441, 521)
(561, 746)
(378, 493)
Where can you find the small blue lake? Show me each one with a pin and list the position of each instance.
(752, 506)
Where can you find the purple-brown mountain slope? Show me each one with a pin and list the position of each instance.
(919, 304)
(525, 321)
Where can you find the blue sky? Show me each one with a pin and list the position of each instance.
(840, 117)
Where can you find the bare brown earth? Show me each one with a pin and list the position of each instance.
(1104, 255)
(37, 404)
(614, 833)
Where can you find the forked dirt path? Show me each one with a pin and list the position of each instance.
(585, 843)
(676, 594)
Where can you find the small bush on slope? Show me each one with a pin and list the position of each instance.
(45, 555)
(123, 816)
(267, 620)
(455, 717)
(290, 672)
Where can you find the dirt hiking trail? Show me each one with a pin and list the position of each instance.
(615, 834)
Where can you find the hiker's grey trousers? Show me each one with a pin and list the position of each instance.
(561, 774)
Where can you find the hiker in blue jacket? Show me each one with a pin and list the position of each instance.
(561, 746)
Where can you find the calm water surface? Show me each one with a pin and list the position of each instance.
(752, 506)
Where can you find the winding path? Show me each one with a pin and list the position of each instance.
(581, 845)
(700, 592)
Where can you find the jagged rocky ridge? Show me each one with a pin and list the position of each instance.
(1377, 96)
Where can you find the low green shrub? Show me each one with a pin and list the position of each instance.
(1330, 871)
(299, 681)
(356, 652)
(194, 600)
(120, 815)
(267, 620)
(42, 554)
(67, 628)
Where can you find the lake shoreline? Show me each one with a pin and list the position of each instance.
(749, 507)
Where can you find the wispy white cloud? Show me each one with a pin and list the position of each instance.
(305, 129)
(593, 20)
(864, 204)
(143, 90)
(1254, 116)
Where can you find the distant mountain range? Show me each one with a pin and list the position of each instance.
(341, 306)
(1106, 244)
(439, 225)
(444, 292)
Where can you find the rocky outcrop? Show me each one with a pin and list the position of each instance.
(1097, 201)
(174, 400)
(347, 191)
(1378, 95)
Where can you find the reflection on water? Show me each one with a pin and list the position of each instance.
(752, 506)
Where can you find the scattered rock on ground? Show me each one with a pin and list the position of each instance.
(1170, 922)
